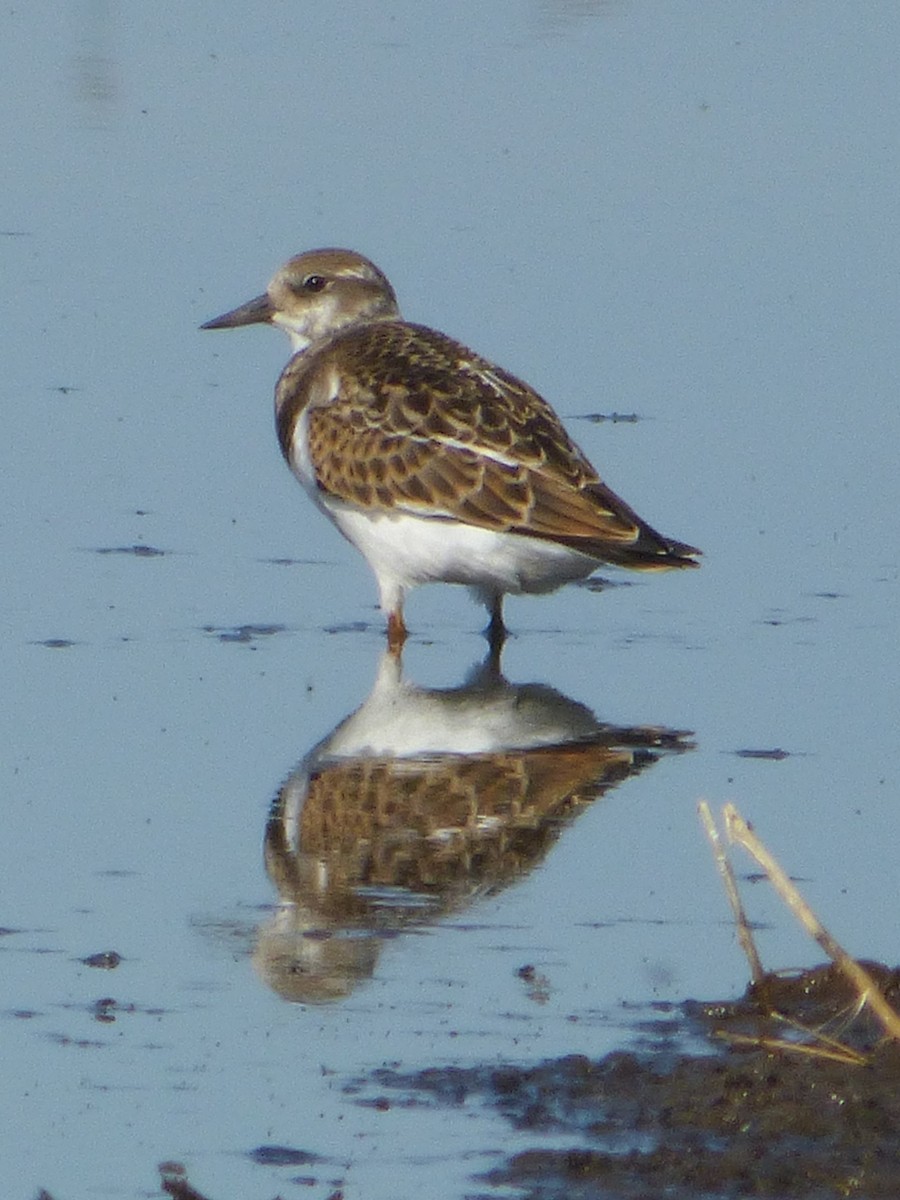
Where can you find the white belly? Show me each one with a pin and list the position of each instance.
(405, 550)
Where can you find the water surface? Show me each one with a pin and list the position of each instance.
(681, 212)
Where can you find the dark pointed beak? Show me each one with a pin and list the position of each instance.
(255, 312)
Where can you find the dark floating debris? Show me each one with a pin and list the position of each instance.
(105, 1010)
(283, 1156)
(538, 985)
(138, 550)
(106, 960)
(773, 755)
(56, 643)
(174, 1180)
(616, 418)
(63, 1039)
(348, 627)
(244, 633)
(292, 562)
(776, 621)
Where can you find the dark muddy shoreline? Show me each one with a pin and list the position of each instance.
(740, 1121)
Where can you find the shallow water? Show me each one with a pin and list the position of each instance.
(682, 212)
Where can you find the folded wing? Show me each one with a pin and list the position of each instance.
(449, 436)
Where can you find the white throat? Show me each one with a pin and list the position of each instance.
(299, 338)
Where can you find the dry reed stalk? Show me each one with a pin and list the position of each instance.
(745, 937)
(741, 833)
(843, 1054)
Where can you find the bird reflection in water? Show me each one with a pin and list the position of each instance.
(418, 803)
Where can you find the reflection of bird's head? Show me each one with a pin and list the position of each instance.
(311, 966)
(316, 294)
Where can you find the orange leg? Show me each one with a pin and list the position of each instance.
(396, 630)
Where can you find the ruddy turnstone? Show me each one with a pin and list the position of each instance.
(436, 464)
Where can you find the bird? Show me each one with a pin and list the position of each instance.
(435, 463)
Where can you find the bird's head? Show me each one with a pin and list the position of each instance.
(315, 295)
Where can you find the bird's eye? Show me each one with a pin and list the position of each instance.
(314, 283)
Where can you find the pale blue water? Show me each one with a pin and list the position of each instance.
(684, 211)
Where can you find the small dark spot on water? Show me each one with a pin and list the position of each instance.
(772, 755)
(761, 877)
(63, 1039)
(293, 562)
(105, 1010)
(775, 620)
(282, 1156)
(349, 627)
(538, 985)
(105, 960)
(616, 418)
(64, 389)
(138, 550)
(55, 643)
(244, 634)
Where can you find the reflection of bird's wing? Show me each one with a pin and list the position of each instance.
(450, 821)
(360, 844)
(403, 418)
